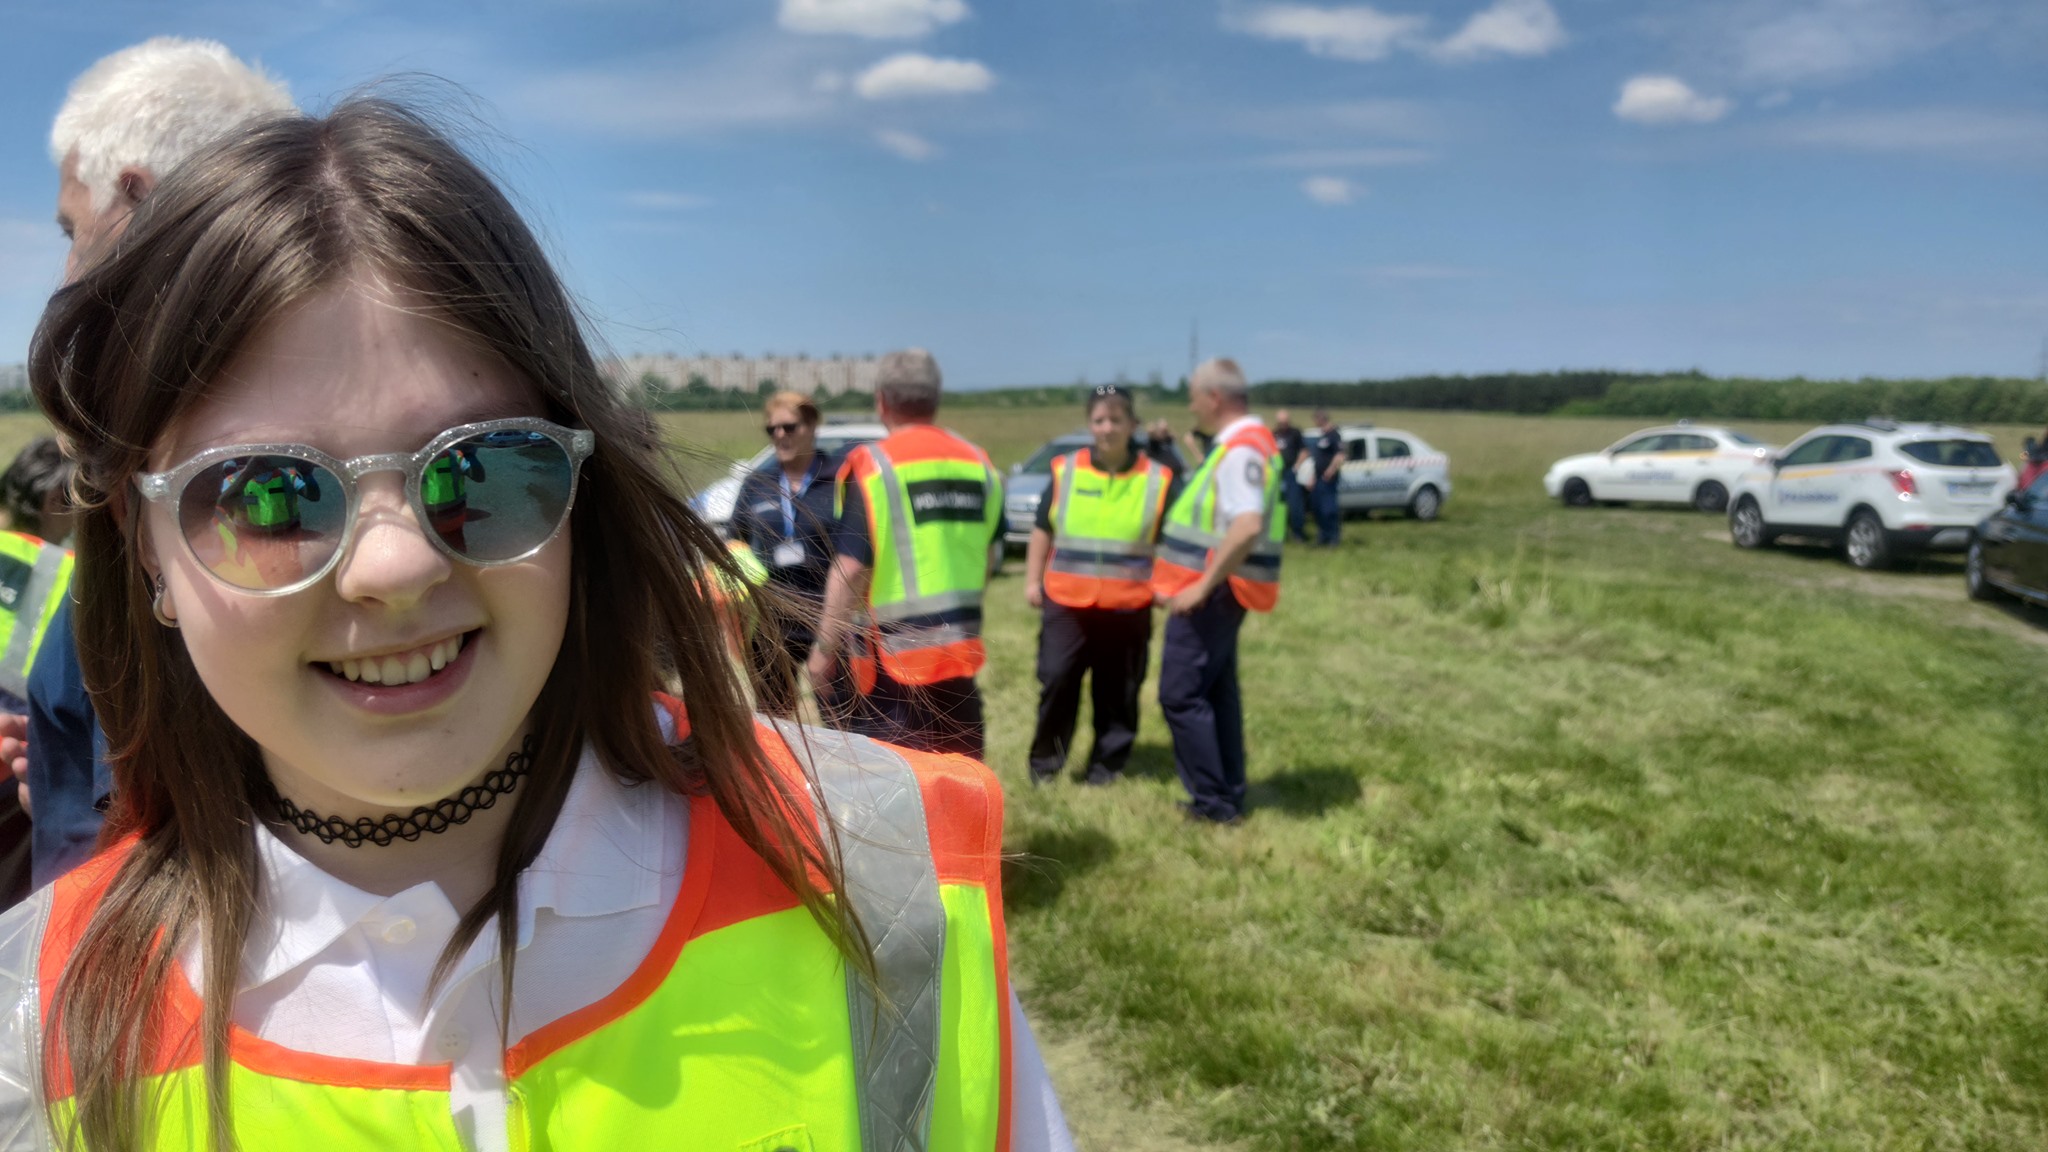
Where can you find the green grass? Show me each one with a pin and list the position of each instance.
(1570, 829)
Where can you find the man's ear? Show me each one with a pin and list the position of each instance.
(135, 184)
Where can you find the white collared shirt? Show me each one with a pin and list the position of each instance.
(337, 971)
(1240, 475)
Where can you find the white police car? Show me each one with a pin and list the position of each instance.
(1881, 488)
(1680, 463)
(1389, 468)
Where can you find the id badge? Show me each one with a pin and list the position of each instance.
(789, 554)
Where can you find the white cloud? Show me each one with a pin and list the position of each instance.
(829, 81)
(908, 145)
(1823, 41)
(667, 201)
(703, 88)
(1349, 158)
(1667, 100)
(1980, 133)
(874, 19)
(1509, 28)
(916, 74)
(1355, 32)
(1331, 191)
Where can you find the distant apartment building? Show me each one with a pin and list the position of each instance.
(13, 377)
(828, 377)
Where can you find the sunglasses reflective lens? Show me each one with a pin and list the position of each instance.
(498, 496)
(264, 522)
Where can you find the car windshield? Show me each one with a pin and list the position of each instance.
(1953, 453)
(1742, 438)
(1040, 463)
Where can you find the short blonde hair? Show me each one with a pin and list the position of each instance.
(152, 105)
(806, 411)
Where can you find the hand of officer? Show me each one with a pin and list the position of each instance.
(1034, 594)
(820, 667)
(14, 752)
(1184, 602)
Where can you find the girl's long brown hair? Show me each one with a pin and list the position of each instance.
(227, 241)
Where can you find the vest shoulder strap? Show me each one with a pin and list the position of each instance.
(24, 1124)
(876, 809)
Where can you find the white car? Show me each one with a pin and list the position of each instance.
(1676, 464)
(1389, 468)
(715, 502)
(1880, 488)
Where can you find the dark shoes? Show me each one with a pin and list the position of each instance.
(1194, 815)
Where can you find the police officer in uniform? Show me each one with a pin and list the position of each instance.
(1218, 557)
(918, 514)
(1089, 571)
(784, 516)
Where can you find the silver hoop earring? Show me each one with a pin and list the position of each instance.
(156, 605)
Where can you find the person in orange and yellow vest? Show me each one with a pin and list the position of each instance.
(1218, 558)
(453, 834)
(919, 512)
(1089, 573)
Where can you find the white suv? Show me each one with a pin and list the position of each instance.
(1881, 488)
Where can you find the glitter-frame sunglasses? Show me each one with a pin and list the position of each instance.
(273, 519)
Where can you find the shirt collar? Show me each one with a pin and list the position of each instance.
(1248, 420)
(603, 856)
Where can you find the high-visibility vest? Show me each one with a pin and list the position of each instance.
(742, 1029)
(1191, 532)
(34, 576)
(1103, 526)
(933, 502)
(735, 597)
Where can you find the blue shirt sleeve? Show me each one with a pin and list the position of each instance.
(850, 536)
(68, 777)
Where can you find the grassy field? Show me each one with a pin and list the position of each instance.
(1570, 829)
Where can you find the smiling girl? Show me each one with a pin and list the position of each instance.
(441, 819)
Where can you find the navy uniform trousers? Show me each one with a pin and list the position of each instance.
(1198, 692)
(941, 717)
(1109, 645)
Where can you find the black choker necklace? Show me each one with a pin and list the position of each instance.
(437, 817)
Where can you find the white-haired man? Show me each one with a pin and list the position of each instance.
(1219, 555)
(918, 512)
(126, 122)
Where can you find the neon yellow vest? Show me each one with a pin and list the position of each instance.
(1190, 532)
(1103, 525)
(933, 503)
(34, 576)
(741, 1030)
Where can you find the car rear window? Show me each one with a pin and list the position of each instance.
(1739, 438)
(1953, 453)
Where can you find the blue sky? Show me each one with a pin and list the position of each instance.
(1041, 190)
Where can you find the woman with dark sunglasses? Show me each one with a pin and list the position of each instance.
(441, 818)
(784, 514)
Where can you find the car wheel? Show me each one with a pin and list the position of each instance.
(1973, 574)
(1746, 524)
(1427, 503)
(1864, 543)
(1577, 493)
(1711, 496)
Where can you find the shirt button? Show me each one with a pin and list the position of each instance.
(400, 931)
(453, 1042)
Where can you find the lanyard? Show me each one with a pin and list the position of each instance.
(789, 498)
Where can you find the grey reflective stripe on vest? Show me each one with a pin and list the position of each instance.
(927, 605)
(892, 885)
(24, 1122)
(917, 637)
(1064, 481)
(28, 617)
(899, 521)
